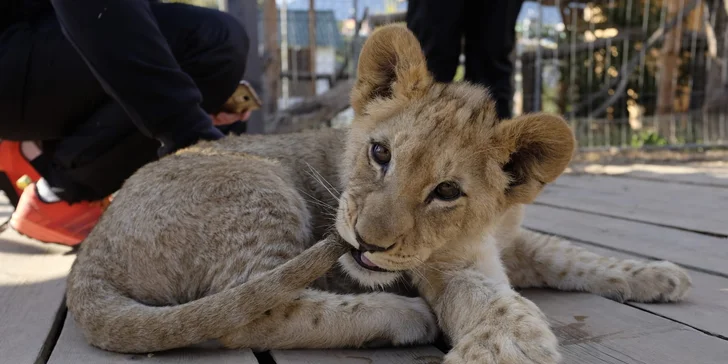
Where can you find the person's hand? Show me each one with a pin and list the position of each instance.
(225, 118)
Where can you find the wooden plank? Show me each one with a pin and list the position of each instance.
(699, 198)
(706, 307)
(706, 174)
(695, 208)
(32, 284)
(406, 355)
(682, 247)
(72, 348)
(592, 329)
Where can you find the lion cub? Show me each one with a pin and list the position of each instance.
(228, 240)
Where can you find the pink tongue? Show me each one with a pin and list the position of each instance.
(367, 261)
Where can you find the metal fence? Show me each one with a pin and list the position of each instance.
(628, 73)
(311, 58)
(625, 73)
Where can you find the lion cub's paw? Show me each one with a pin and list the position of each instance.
(658, 282)
(408, 321)
(515, 331)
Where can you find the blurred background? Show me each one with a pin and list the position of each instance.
(626, 73)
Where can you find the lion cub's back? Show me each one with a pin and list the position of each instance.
(181, 186)
(176, 224)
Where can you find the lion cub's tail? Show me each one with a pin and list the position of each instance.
(114, 322)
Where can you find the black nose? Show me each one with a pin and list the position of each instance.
(364, 247)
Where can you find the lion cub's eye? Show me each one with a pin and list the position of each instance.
(381, 154)
(447, 191)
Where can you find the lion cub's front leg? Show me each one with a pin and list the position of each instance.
(510, 330)
(318, 319)
(484, 318)
(539, 260)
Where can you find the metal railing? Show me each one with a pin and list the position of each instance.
(625, 73)
(628, 73)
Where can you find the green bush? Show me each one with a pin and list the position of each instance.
(647, 138)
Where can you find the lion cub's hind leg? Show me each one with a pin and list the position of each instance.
(537, 260)
(318, 319)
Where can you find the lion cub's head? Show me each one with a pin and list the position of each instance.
(428, 166)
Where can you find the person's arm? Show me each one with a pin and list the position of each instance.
(124, 48)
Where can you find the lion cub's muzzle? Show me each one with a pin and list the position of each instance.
(365, 247)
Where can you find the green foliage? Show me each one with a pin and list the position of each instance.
(549, 100)
(643, 138)
(594, 68)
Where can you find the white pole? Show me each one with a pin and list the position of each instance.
(284, 50)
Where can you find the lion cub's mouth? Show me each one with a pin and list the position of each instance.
(366, 263)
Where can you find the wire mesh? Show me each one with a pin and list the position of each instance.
(625, 73)
(629, 73)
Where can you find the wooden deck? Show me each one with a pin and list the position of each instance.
(679, 213)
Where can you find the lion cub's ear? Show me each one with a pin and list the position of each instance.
(391, 63)
(536, 148)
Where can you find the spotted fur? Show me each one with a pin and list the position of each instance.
(219, 241)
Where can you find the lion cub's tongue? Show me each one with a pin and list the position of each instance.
(368, 262)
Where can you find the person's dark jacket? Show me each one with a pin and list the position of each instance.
(14, 50)
(12, 11)
(191, 124)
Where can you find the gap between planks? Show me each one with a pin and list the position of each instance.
(706, 307)
(32, 286)
(592, 329)
(405, 355)
(700, 252)
(710, 174)
(72, 348)
(691, 208)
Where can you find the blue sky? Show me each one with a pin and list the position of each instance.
(342, 8)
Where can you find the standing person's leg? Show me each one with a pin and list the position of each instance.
(490, 37)
(438, 25)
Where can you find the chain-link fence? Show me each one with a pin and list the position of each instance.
(626, 73)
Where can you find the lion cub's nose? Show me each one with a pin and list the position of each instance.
(366, 247)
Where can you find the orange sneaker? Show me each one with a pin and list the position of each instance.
(55, 222)
(13, 166)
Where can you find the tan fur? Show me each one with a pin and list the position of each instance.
(217, 241)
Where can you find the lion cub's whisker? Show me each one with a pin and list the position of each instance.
(322, 180)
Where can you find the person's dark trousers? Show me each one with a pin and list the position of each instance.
(488, 30)
(119, 39)
(90, 143)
